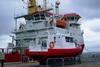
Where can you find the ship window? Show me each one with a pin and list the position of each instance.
(37, 17)
(18, 43)
(75, 18)
(44, 44)
(54, 39)
(42, 16)
(69, 39)
(70, 25)
(70, 18)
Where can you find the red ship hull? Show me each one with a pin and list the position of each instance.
(12, 57)
(40, 56)
(69, 52)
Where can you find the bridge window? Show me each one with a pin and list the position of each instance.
(70, 18)
(69, 39)
(37, 17)
(42, 16)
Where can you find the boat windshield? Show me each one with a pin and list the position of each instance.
(69, 39)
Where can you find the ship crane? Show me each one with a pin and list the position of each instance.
(32, 7)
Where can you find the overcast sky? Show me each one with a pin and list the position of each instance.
(89, 10)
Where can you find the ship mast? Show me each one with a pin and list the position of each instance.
(45, 4)
(57, 7)
(32, 6)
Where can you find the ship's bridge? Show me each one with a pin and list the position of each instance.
(72, 17)
(36, 16)
(35, 21)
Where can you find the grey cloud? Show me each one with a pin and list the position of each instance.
(88, 9)
(4, 40)
(92, 46)
(5, 19)
(96, 29)
(91, 4)
(8, 9)
(95, 48)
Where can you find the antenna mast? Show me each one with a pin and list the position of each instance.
(57, 7)
(45, 4)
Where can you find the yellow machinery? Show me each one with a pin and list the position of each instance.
(32, 6)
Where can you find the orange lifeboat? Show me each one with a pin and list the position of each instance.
(61, 23)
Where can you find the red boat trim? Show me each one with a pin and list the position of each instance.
(68, 52)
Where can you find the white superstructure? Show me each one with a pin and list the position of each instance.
(40, 30)
(43, 27)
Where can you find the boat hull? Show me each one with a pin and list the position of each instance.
(54, 53)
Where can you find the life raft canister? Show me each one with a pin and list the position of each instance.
(51, 45)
